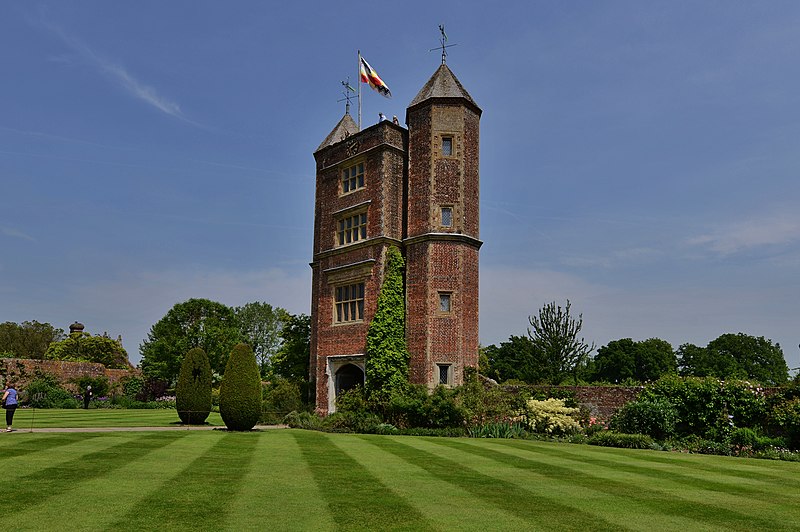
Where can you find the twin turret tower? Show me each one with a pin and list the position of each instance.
(417, 189)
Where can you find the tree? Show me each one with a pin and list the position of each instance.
(209, 325)
(260, 325)
(240, 392)
(386, 367)
(193, 391)
(292, 359)
(616, 362)
(29, 339)
(736, 356)
(555, 333)
(654, 358)
(83, 347)
(517, 359)
(643, 361)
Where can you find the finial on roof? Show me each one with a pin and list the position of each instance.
(443, 44)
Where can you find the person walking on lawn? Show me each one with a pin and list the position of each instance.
(10, 403)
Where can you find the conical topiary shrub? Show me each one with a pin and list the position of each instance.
(240, 392)
(193, 391)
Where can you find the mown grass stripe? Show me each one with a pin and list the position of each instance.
(493, 490)
(36, 488)
(96, 503)
(656, 501)
(356, 499)
(22, 446)
(279, 490)
(762, 491)
(198, 496)
(26, 418)
(448, 507)
(768, 471)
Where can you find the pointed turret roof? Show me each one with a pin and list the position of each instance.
(443, 84)
(346, 127)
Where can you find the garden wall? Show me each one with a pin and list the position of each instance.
(601, 401)
(23, 370)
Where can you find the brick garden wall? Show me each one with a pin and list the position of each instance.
(601, 401)
(23, 370)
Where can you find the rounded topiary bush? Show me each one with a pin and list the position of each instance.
(240, 392)
(193, 391)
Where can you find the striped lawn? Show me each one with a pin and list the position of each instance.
(26, 419)
(303, 480)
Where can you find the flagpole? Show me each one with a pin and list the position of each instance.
(358, 76)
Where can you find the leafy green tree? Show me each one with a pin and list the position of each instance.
(626, 359)
(517, 359)
(260, 325)
(29, 339)
(193, 391)
(735, 356)
(240, 392)
(83, 347)
(555, 333)
(209, 325)
(291, 362)
(386, 365)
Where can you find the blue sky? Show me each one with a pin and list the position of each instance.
(638, 158)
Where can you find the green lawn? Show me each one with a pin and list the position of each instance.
(302, 480)
(26, 419)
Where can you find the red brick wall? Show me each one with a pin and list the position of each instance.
(23, 370)
(601, 401)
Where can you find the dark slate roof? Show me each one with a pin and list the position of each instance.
(346, 127)
(443, 84)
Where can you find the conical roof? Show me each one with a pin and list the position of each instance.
(443, 84)
(346, 127)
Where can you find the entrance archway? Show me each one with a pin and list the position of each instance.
(347, 377)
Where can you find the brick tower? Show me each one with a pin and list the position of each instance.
(417, 189)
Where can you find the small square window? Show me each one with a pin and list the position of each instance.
(447, 217)
(444, 301)
(445, 374)
(447, 146)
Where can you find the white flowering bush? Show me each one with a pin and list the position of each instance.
(550, 416)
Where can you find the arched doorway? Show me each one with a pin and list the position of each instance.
(347, 377)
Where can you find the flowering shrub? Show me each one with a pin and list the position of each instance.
(785, 419)
(550, 416)
(656, 418)
(707, 406)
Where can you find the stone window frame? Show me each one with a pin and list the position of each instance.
(355, 232)
(347, 303)
(441, 137)
(447, 146)
(452, 210)
(449, 368)
(349, 173)
(449, 296)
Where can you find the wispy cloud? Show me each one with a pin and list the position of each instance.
(776, 229)
(117, 73)
(15, 233)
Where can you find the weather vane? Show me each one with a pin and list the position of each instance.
(444, 46)
(348, 89)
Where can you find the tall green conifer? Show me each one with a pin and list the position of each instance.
(240, 392)
(193, 391)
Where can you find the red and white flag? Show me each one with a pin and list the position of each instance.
(369, 76)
